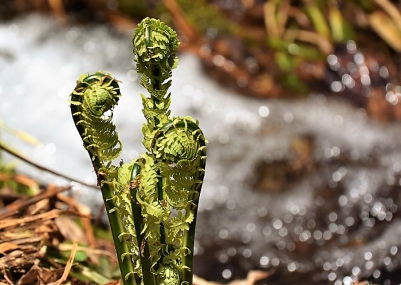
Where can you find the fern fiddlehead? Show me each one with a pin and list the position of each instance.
(175, 159)
(152, 201)
(94, 96)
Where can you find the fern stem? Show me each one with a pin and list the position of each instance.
(116, 227)
(160, 197)
(147, 276)
(156, 85)
(189, 236)
(189, 240)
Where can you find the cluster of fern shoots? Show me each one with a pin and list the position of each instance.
(152, 201)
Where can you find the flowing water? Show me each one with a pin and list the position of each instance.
(309, 188)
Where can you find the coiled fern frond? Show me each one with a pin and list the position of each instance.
(92, 102)
(155, 46)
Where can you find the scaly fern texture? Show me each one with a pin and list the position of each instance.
(172, 170)
(93, 96)
(152, 201)
(92, 103)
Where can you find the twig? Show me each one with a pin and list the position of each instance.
(180, 22)
(20, 204)
(116, 18)
(26, 160)
(58, 10)
(83, 210)
(17, 222)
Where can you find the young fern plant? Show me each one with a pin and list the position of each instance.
(152, 201)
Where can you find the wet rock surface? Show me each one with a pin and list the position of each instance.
(308, 188)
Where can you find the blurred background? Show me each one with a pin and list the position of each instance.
(299, 101)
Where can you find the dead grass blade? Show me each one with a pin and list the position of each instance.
(52, 214)
(68, 265)
(385, 28)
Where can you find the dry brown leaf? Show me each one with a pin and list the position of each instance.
(31, 277)
(7, 246)
(70, 230)
(49, 276)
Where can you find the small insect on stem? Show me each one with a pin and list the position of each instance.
(101, 176)
(164, 203)
(135, 183)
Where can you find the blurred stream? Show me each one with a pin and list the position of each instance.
(310, 188)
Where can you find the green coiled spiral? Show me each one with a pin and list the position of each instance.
(155, 46)
(92, 98)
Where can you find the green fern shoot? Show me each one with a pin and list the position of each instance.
(151, 202)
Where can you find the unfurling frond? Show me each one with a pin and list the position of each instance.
(92, 103)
